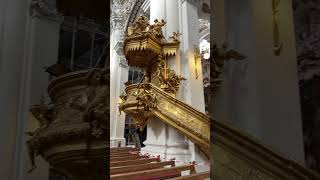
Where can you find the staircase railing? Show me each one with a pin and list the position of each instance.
(237, 155)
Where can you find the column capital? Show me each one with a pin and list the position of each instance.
(45, 9)
(119, 49)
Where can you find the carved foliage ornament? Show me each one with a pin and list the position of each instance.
(166, 78)
(145, 97)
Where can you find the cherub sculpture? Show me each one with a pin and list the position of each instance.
(156, 28)
(172, 81)
(175, 37)
(96, 110)
(145, 97)
(44, 115)
(139, 26)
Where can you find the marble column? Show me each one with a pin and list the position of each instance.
(262, 90)
(16, 58)
(192, 89)
(121, 68)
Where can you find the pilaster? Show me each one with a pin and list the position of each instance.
(260, 93)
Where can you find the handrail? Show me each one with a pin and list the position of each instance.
(237, 153)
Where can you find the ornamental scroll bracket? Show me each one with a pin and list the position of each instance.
(277, 45)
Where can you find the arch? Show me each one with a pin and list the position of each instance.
(134, 12)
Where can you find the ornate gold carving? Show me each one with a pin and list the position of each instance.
(156, 29)
(142, 27)
(172, 82)
(277, 45)
(175, 37)
(138, 27)
(146, 47)
(145, 101)
(144, 42)
(79, 114)
(165, 78)
(145, 97)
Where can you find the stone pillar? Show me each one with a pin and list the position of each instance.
(122, 71)
(192, 88)
(118, 68)
(16, 60)
(192, 91)
(114, 83)
(262, 90)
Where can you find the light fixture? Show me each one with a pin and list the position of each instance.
(206, 55)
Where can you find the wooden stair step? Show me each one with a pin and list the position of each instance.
(114, 159)
(125, 155)
(123, 149)
(140, 167)
(133, 162)
(125, 152)
(197, 176)
(154, 174)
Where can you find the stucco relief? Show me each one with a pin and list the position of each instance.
(120, 13)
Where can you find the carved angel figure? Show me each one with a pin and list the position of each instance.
(44, 116)
(139, 26)
(156, 28)
(123, 97)
(42, 113)
(173, 81)
(175, 37)
(96, 110)
(145, 97)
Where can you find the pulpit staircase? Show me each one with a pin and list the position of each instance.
(233, 153)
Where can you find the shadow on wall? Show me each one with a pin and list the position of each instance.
(307, 27)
